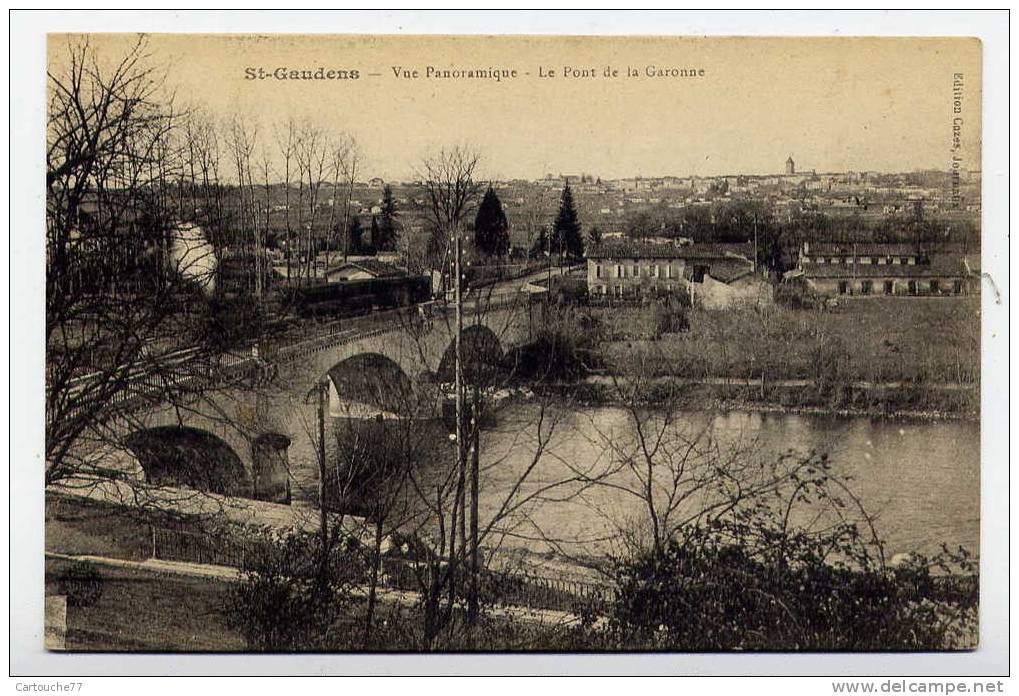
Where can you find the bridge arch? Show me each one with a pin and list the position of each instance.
(371, 380)
(184, 456)
(483, 356)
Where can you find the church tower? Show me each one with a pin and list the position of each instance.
(790, 166)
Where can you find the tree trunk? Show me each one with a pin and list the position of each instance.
(373, 584)
(473, 602)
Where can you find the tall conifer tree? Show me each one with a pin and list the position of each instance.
(566, 238)
(387, 222)
(491, 230)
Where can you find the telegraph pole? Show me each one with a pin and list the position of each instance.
(461, 465)
(322, 386)
(756, 255)
(473, 604)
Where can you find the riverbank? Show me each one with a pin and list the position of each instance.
(887, 401)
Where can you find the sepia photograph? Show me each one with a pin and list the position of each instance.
(512, 344)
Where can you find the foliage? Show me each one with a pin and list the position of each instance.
(292, 591)
(779, 591)
(388, 233)
(540, 247)
(561, 350)
(566, 231)
(567, 290)
(796, 295)
(355, 236)
(233, 320)
(669, 317)
(491, 230)
(82, 584)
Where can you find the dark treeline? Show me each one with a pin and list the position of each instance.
(778, 235)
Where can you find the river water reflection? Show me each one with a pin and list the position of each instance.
(921, 480)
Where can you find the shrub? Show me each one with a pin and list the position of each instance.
(778, 590)
(669, 317)
(82, 584)
(292, 591)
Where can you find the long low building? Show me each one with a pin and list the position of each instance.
(886, 269)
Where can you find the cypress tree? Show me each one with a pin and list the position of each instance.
(377, 241)
(567, 227)
(355, 234)
(387, 222)
(491, 230)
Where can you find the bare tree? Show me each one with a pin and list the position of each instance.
(286, 139)
(242, 136)
(537, 211)
(130, 276)
(312, 155)
(448, 180)
(108, 295)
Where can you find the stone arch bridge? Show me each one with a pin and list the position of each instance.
(260, 424)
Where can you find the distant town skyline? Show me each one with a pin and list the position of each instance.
(833, 104)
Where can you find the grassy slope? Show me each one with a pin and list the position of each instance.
(149, 612)
(881, 339)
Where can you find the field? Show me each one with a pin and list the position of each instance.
(881, 340)
(883, 355)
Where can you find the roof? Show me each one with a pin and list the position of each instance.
(379, 269)
(630, 249)
(728, 270)
(829, 249)
(939, 266)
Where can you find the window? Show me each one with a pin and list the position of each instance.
(912, 287)
(834, 260)
(889, 287)
(881, 260)
(957, 287)
(935, 287)
(619, 271)
(866, 286)
(668, 271)
(597, 270)
(636, 271)
(820, 260)
(843, 287)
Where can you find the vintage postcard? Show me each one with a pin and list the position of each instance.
(512, 343)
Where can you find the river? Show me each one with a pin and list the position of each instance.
(920, 480)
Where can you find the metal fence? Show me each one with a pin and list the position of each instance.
(496, 588)
(196, 547)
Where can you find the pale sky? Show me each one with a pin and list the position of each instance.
(832, 104)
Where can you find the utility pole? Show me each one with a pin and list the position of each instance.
(548, 252)
(756, 256)
(461, 466)
(322, 386)
(473, 604)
